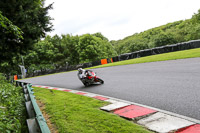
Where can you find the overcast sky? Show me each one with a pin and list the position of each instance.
(117, 19)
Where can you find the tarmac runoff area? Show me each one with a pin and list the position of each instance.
(153, 119)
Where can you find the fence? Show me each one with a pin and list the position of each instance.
(36, 122)
(159, 50)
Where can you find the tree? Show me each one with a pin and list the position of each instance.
(92, 48)
(47, 54)
(33, 20)
(98, 34)
(70, 44)
(9, 29)
(194, 32)
(30, 16)
(12, 34)
(196, 17)
(176, 32)
(163, 39)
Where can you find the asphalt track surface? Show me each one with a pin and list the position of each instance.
(168, 85)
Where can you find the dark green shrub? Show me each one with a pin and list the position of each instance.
(12, 108)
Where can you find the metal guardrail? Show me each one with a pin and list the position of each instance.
(36, 122)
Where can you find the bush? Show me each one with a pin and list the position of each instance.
(12, 108)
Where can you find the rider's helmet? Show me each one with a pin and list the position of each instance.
(80, 70)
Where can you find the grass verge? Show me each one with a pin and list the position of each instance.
(192, 53)
(74, 113)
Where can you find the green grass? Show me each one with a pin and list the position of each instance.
(160, 57)
(74, 113)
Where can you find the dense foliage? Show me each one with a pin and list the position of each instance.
(9, 33)
(6, 26)
(54, 52)
(12, 108)
(94, 47)
(32, 18)
(170, 33)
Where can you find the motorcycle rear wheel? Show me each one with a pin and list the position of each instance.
(86, 84)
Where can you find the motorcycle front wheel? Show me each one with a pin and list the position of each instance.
(100, 81)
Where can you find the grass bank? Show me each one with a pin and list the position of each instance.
(74, 113)
(192, 53)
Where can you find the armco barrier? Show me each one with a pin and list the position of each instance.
(159, 50)
(36, 122)
(96, 63)
(115, 59)
(111, 60)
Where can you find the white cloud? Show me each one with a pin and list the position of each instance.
(117, 19)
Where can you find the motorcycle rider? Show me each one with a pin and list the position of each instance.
(88, 77)
(82, 74)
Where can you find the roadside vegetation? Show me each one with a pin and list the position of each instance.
(55, 52)
(22, 24)
(12, 108)
(74, 113)
(171, 33)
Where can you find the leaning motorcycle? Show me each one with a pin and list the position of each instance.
(91, 78)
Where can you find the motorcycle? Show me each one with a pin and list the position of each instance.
(90, 78)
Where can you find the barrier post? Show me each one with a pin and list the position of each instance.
(36, 122)
(15, 77)
(111, 60)
(104, 61)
